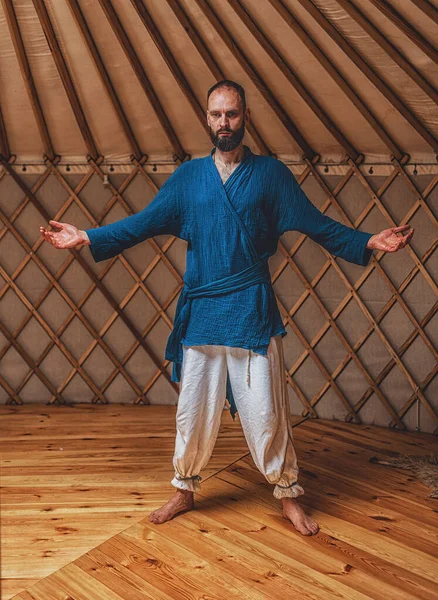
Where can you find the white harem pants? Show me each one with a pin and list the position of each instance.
(259, 389)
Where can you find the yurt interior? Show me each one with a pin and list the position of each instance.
(102, 102)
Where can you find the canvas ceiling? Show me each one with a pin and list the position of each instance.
(390, 106)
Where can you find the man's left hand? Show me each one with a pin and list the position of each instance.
(388, 240)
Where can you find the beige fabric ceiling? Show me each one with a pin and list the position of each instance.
(410, 28)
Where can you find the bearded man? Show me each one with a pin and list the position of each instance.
(231, 207)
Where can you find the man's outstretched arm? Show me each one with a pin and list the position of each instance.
(161, 216)
(294, 211)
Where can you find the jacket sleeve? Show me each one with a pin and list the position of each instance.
(294, 211)
(161, 216)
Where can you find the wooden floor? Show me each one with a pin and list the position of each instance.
(79, 482)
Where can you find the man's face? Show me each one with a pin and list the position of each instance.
(226, 119)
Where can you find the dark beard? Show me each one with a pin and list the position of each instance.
(228, 143)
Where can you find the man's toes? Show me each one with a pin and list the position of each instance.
(314, 528)
(304, 530)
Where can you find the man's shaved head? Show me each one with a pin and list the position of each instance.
(227, 83)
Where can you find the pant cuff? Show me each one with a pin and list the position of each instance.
(290, 491)
(191, 484)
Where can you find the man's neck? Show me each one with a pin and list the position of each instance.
(229, 158)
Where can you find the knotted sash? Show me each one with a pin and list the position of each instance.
(256, 273)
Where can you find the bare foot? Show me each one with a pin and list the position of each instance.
(181, 501)
(296, 515)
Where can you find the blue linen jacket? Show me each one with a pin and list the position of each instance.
(231, 230)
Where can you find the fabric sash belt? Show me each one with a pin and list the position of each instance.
(256, 273)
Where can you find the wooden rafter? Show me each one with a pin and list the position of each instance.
(194, 35)
(391, 50)
(256, 78)
(167, 55)
(325, 62)
(407, 28)
(427, 8)
(363, 65)
(4, 145)
(65, 76)
(143, 79)
(211, 63)
(103, 73)
(292, 77)
(26, 73)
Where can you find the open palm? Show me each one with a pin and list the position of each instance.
(69, 236)
(388, 240)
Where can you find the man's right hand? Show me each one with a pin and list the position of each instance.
(69, 236)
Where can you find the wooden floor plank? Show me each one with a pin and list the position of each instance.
(323, 552)
(78, 484)
(356, 502)
(335, 523)
(66, 489)
(155, 545)
(326, 571)
(73, 582)
(340, 456)
(406, 441)
(278, 573)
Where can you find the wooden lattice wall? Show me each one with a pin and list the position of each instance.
(361, 343)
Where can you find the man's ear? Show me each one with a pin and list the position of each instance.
(247, 116)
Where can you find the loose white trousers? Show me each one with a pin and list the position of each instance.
(259, 389)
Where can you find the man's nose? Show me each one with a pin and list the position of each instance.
(224, 122)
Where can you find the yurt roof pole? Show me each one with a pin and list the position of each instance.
(293, 78)
(427, 8)
(65, 77)
(325, 62)
(4, 145)
(170, 61)
(257, 79)
(407, 29)
(384, 89)
(17, 40)
(391, 50)
(193, 34)
(143, 79)
(94, 52)
(211, 63)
